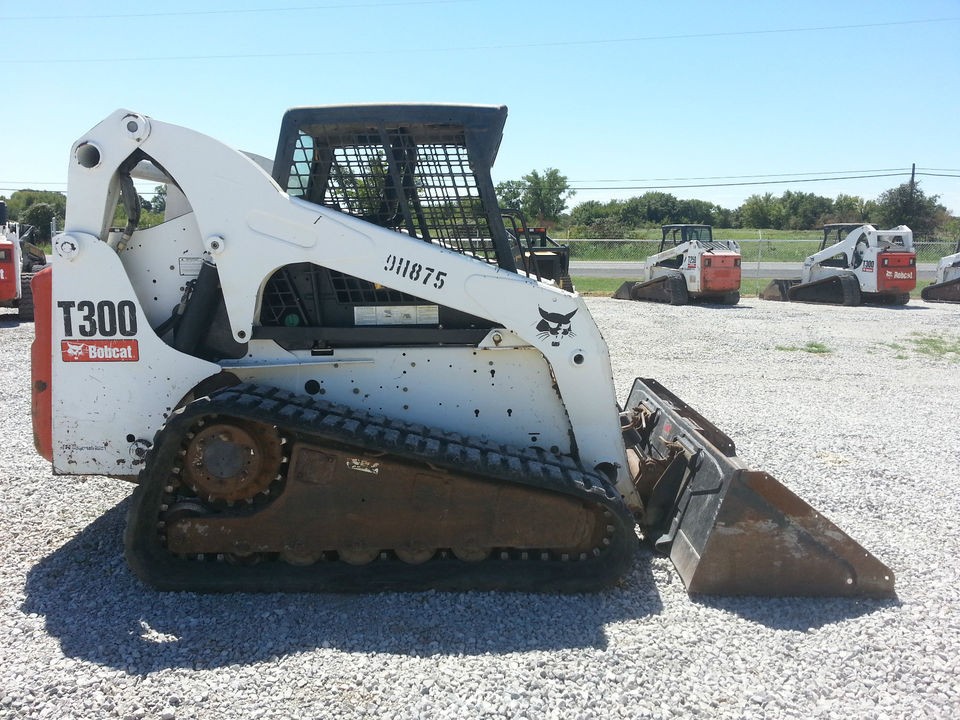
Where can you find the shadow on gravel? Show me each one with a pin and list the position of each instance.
(101, 613)
(797, 614)
(898, 308)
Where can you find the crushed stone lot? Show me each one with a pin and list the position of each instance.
(854, 409)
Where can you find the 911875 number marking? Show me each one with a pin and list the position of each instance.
(415, 271)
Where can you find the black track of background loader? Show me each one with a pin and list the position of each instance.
(948, 291)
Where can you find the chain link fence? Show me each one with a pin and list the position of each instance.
(751, 250)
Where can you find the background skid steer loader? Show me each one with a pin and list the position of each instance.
(18, 259)
(542, 257)
(946, 288)
(337, 379)
(690, 266)
(855, 264)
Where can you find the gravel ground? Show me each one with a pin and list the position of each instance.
(866, 431)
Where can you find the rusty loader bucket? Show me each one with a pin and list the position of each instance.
(727, 529)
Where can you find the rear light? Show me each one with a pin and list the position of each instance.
(736, 262)
(886, 262)
(4, 255)
(913, 261)
(707, 262)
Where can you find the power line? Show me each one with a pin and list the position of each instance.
(526, 46)
(233, 11)
(657, 183)
(853, 173)
(744, 177)
(742, 184)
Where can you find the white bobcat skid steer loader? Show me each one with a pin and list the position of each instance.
(690, 266)
(946, 288)
(18, 259)
(336, 379)
(855, 264)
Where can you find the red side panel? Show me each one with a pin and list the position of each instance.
(896, 272)
(9, 275)
(41, 361)
(719, 273)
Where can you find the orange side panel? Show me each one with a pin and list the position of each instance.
(721, 275)
(41, 363)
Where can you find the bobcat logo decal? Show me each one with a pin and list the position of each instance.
(555, 325)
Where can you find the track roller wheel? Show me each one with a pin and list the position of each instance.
(471, 553)
(358, 555)
(300, 556)
(415, 556)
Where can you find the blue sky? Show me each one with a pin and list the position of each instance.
(620, 96)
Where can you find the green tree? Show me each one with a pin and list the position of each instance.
(761, 211)
(586, 212)
(907, 204)
(629, 213)
(40, 215)
(847, 208)
(545, 196)
(802, 211)
(22, 200)
(159, 202)
(661, 207)
(696, 211)
(510, 194)
(725, 218)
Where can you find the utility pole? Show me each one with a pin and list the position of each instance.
(913, 184)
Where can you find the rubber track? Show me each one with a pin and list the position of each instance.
(25, 308)
(318, 422)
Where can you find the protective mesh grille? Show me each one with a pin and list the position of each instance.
(420, 184)
(353, 290)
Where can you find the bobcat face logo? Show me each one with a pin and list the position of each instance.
(555, 325)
